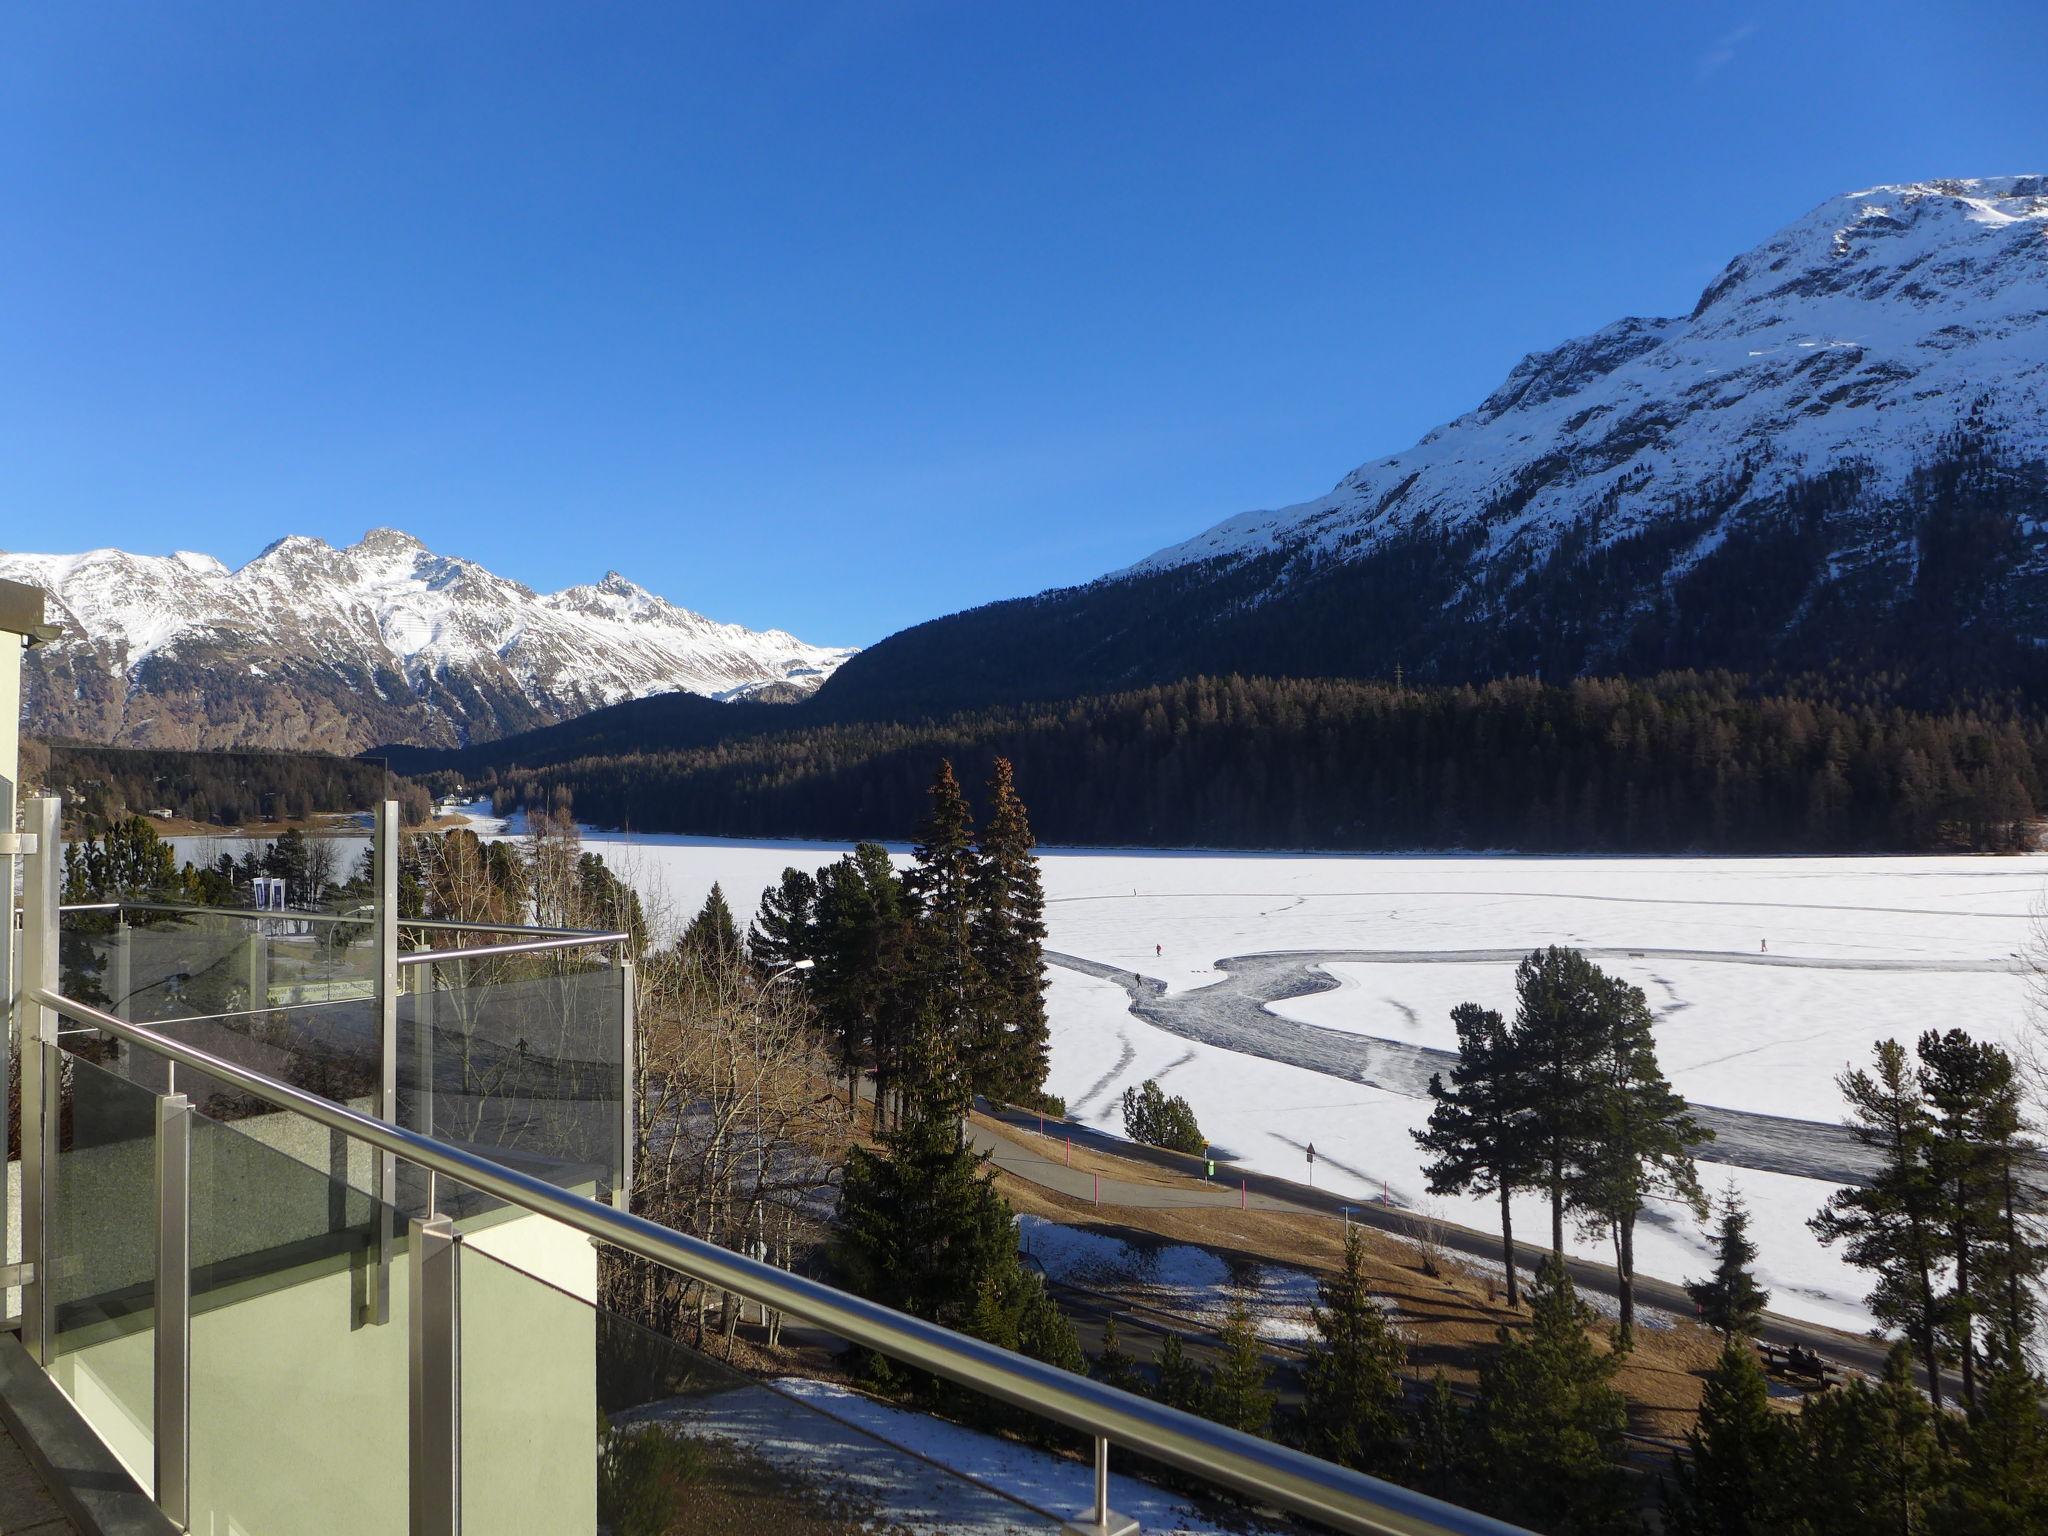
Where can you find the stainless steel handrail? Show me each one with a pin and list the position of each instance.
(1299, 1483)
(497, 951)
(364, 917)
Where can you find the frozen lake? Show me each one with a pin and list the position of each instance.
(1768, 976)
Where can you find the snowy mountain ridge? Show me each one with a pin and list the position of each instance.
(1865, 332)
(382, 640)
(1836, 463)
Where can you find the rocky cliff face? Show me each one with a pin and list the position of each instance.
(310, 646)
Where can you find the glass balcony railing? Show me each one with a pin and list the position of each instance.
(344, 1264)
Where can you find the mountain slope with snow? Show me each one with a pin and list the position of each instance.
(1838, 459)
(1866, 332)
(310, 646)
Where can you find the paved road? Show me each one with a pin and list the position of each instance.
(1265, 1192)
(1233, 1014)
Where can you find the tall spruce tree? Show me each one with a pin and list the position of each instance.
(2000, 1485)
(1239, 1393)
(922, 1228)
(1548, 1431)
(1893, 1226)
(1738, 1473)
(1558, 1038)
(1352, 1389)
(944, 969)
(1729, 1300)
(1438, 1455)
(860, 927)
(1180, 1381)
(1009, 940)
(1975, 1157)
(1644, 1135)
(1481, 1132)
(1115, 1366)
(712, 935)
(1869, 1458)
(784, 930)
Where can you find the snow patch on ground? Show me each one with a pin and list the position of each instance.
(902, 1462)
(1175, 1277)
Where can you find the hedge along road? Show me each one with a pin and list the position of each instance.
(1233, 1015)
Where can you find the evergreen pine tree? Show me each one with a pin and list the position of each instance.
(1737, 1475)
(1352, 1382)
(1556, 1043)
(1729, 1300)
(1645, 1133)
(860, 932)
(1437, 1459)
(712, 936)
(1974, 1157)
(1181, 1384)
(1547, 1435)
(784, 931)
(922, 1228)
(943, 971)
(1480, 1132)
(1009, 941)
(1893, 1225)
(1238, 1393)
(2001, 1482)
(1115, 1366)
(1869, 1459)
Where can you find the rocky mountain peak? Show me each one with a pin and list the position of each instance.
(382, 640)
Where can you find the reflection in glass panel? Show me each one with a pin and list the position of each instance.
(299, 1344)
(102, 1256)
(520, 1057)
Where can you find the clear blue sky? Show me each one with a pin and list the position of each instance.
(838, 316)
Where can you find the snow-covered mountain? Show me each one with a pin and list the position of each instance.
(1838, 460)
(312, 646)
(1866, 333)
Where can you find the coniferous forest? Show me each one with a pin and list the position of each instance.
(1684, 761)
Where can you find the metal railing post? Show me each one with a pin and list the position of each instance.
(123, 978)
(1101, 1520)
(629, 1049)
(434, 1302)
(7, 1006)
(377, 1302)
(174, 1307)
(39, 1067)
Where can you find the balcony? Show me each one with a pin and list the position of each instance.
(313, 1208)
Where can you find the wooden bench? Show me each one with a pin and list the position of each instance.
(1798, 1364)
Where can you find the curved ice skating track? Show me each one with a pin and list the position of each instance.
(1234, 1015)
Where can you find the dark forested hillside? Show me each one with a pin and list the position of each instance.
(1675, 762)
(100, 784)
(1936, 585)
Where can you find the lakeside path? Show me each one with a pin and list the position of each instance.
(1003, 1133)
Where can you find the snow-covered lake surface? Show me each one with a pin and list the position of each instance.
(1858, 949)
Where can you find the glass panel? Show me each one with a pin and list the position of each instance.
(147, 964)
(326, 1048)
(299, 1390)
(102, 1247)
(521, 1058)
(686, 1443)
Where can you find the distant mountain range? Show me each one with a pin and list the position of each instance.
(310, 646)
(1834, 462)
